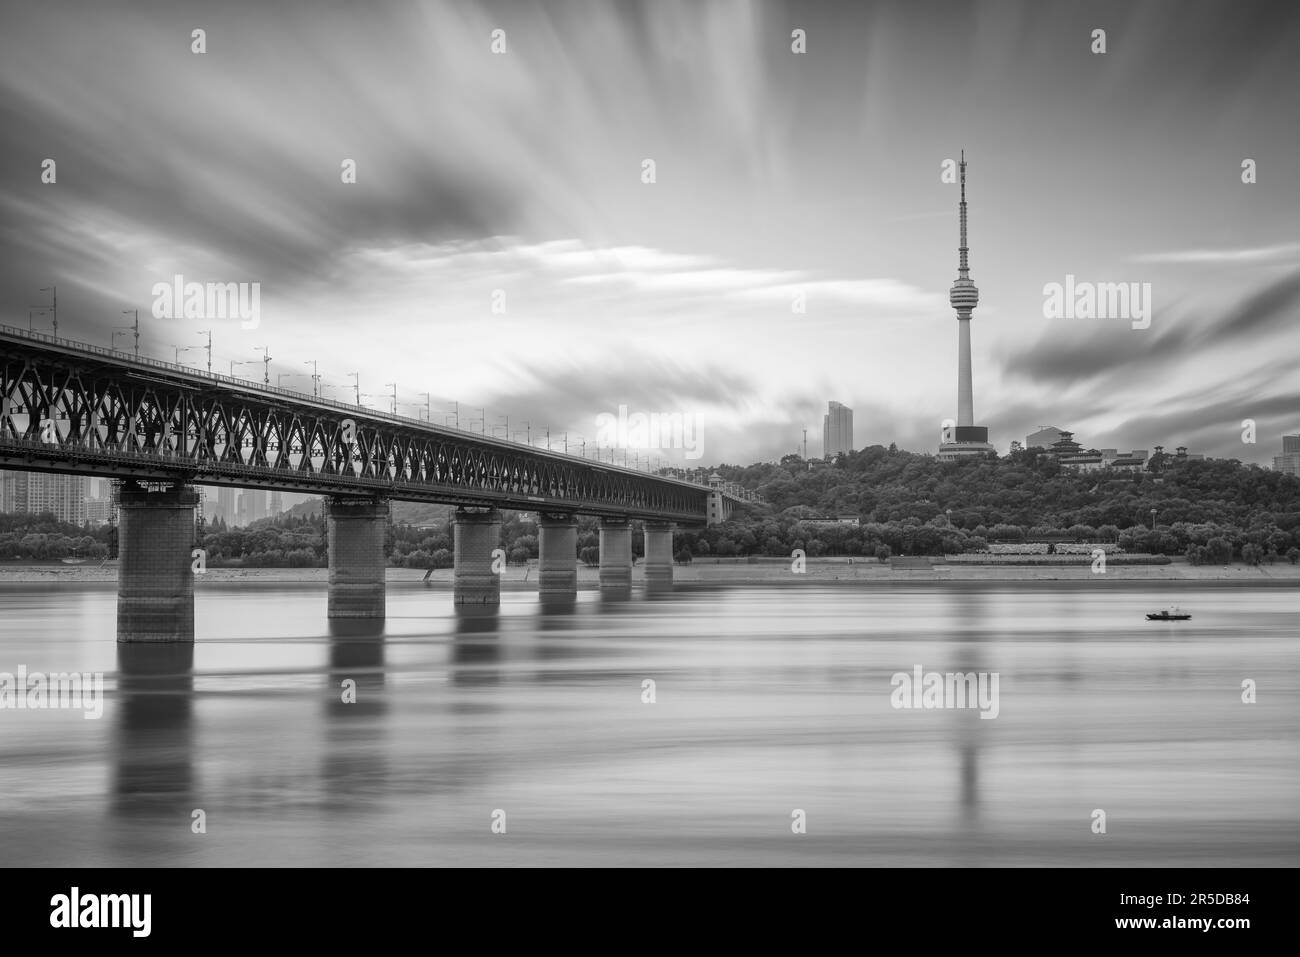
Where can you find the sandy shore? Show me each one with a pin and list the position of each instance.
(821, 571)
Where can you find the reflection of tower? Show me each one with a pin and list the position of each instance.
(968, 438)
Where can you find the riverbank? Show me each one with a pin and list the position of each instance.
(730, 572)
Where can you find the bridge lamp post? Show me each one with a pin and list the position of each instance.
(54, 306)
(120, 331)
(208, 333)
(507, 426)
(176, 359)
(428, 412)
(482, 421)
(135, 327)
(457, 405)
(315, 377)
(447, 416)
(239, 362)
(393, 386)
(266, 364)
(356, 384)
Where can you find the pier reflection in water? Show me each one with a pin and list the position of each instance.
(767, 699)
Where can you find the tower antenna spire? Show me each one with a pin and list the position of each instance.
(963, 266)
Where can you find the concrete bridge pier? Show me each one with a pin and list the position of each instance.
(615, 557)
(658, 555)
(557, 557)
(356, 530)
(155, 578)
(477, 534)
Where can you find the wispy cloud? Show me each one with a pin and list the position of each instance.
(1283, 252)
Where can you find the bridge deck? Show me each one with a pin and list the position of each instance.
(74, 408)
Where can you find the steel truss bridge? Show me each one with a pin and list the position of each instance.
(73, 408)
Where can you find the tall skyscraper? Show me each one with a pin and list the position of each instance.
(837, 430)
(1289, 461)
(967, 438)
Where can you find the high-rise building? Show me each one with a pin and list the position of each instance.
(967, 439)
(36, 492)
(252, 505)
(226, 505)
(837, 430)
(101, 511)
(1289, 461)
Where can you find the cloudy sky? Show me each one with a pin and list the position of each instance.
(776, 175)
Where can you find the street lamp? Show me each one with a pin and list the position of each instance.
(457, 405)
(54, 306)
(356, 384)
(266, 364)
(393, 386)
(428, 413)
(135, 326)
(208, 333)
(179, 349)
(315, 377)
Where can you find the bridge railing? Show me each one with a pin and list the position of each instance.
(402, 420)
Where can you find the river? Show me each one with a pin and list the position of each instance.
(529, 736)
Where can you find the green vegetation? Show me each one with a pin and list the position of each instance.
(1209, 512)
(43, 538)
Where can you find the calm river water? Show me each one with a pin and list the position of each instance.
(768, 701)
